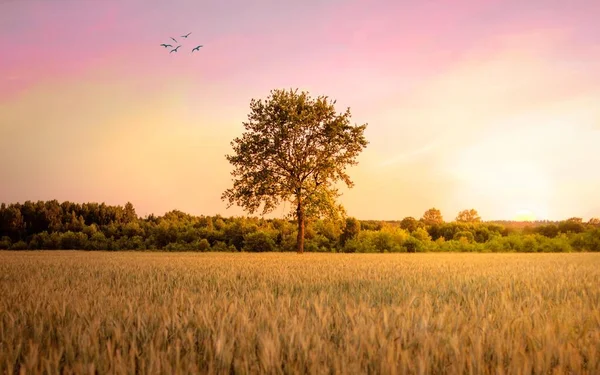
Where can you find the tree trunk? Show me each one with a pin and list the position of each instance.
(300, 216)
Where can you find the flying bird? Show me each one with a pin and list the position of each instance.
(174, 40)
(166, 45)
(196, 49)
(186, 35)
(175, 49)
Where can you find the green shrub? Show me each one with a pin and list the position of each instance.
(5, 243)
(98, 241)
(413, 245)
(529, 244)
(220, 246)
(258, 242)
(592, 240)
(559, 244)
(422, 235)
(202, 245)
(72, 241)
(464, 234)
(351, 246)
(19, 245)
(496, 244)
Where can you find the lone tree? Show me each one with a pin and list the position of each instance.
(295, 148)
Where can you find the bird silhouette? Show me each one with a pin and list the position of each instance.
(186, 35)
(196, 49)
(175, 49)
(174, 40)
(166, 45)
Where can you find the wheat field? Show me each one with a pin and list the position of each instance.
(178, 313)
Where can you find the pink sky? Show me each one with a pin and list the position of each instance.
(485, 104)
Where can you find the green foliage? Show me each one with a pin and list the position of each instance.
(422, 235)
(352, 246)
(468, 216)
(432, 216)
(351, 230)
(258, 242)
(329, 232)
(466, 235)
(176, 246)
(5, 243)
(19, 245)
(98, 241)
(111, 228)
(413, 245)
(294, 149)
(573, 225)
(549, 230)
(202, 245)
(73, 241)
(559, 244)
(388, 239)
(410, 224)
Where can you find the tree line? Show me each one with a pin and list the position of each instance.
(91, 226)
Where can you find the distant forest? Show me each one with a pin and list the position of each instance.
(91, 226)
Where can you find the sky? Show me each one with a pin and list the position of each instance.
(485, 104)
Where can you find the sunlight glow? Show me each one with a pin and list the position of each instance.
(524, 215)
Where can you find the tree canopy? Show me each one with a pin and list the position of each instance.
(432, 216)
(468, 216)
(53, 225)
(294, 149)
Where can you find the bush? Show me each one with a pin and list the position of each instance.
(529, 244)
(482, 234)
(578, 242)
(73, 241)
(202, 245)
(385, 240)
(592, 240)
(464, 234)
(413, 245)
(421, 235)
(37, 241)
(461, 245)
(320, 243)
(382, 242)
(513, 242)
(258, 242)
(222, 246)
(496, 244)
(136, 243)
(98, 241)
(351, 246)
(559, 244)
(5, 243)
(351, 230)
(177, 246)
(19, 245)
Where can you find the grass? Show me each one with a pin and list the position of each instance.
(170, 313)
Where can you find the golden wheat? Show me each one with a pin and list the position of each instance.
(166, 313)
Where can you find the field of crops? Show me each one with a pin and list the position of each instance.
(128, 312)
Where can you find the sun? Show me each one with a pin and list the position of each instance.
(524, 215)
